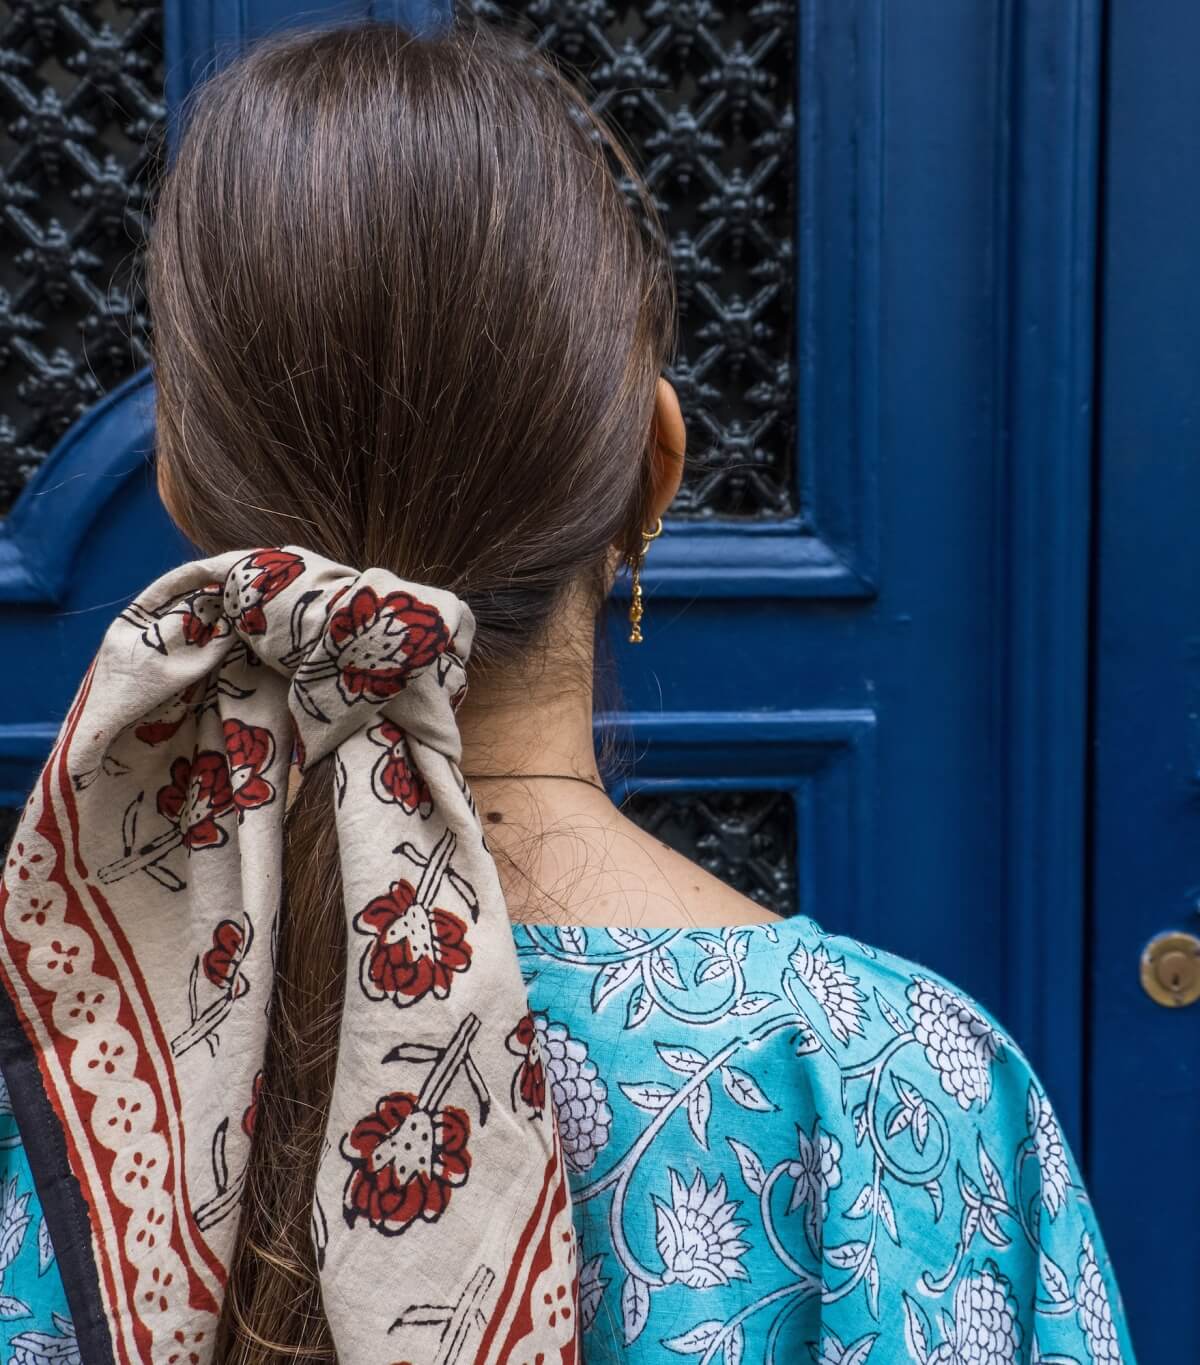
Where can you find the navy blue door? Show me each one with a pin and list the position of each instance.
(1144, 1113)
(870, 649)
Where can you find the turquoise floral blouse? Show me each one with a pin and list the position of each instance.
(784, 1148)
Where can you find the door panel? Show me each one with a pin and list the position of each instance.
(1145, 1094)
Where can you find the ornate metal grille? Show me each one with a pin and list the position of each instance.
(747, 838)
(704, 92)
(81, 123)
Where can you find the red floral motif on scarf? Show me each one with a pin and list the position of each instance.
(163, 724)
(415, 951)
(250, 749)
(204, 616)
(253, 583)
(529, 1082)
(406, 1161)
(378, 643)
(197, 795)
(250, 1117)
(393, 777)
(221, 961)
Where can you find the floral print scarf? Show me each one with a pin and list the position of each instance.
(137, 926)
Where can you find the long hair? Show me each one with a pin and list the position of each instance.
(405, 316)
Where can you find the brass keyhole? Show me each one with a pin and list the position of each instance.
(1171, 969)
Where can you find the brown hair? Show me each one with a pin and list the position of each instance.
(404, 316)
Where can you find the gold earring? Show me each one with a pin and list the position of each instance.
(636, 608)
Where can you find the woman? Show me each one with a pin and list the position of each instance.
(409, 334)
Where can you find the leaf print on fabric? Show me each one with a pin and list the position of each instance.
(833, 988)
(959, 1043)
(744, 1090)
(697, 1235)
(911, 1114)
(1094, 1309)
(393, 778)
(579, 1094)
(47, 1348)
(816, 1171)
(831, 1351)
(697, 1340)
(875, 1199)
(754, 1173)
(635, 1308)
(14, 1221)
(918, 1335)
(1051, 1154)
(592, 1285)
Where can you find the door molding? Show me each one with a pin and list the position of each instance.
(825, 759)
(1048, 88)
(831, 548)
(111, 443)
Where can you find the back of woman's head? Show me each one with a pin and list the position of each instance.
(405, 316)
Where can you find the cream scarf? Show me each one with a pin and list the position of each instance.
(140, 905)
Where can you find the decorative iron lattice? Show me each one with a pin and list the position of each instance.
(81, 125)
(747, 838)
(704, 92)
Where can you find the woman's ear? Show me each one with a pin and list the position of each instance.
(668, 442)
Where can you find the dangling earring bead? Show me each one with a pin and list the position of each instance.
(636, 607)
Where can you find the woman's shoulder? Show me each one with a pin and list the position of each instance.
(845, 989)
(882, 1040)
(863, 1118)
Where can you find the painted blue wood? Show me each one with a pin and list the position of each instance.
(84, 536)
(200, 35)
(1144, 1113)
(825, 760)
(1045, 287)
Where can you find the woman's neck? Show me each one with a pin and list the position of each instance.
(565, 853)
(529, 723)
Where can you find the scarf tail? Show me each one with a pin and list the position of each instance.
(138, 917)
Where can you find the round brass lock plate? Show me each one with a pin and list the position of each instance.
(1171, 969)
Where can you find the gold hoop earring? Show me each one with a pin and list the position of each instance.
(636, 606)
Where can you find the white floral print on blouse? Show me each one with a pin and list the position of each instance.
(784, 1148)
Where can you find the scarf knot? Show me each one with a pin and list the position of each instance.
(351, 644)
